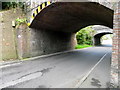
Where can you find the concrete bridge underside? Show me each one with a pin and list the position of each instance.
(54, 28)
(72, 16)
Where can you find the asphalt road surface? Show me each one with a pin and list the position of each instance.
(59, 71)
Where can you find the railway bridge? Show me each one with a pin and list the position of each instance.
(54, 24)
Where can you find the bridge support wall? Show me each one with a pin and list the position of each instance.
(45, 42)
(96, 41)
(115, 70)
(33, 42)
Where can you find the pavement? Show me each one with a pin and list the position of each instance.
(64, 70)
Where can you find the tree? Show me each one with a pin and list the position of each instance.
(84, 36)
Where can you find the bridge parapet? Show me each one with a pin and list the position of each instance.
(112, 4)
(101, 29)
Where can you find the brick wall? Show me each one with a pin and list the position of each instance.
(116, 48)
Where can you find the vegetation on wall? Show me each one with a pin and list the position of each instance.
(84, 36)
(14, 4)
(21, 21)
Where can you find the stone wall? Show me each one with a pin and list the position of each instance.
(34, 42)
(23, 41)
(8, 45)
(0, 36)
(46, 42)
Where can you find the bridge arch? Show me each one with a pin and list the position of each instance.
(59, 21)
(72, 16)
(70, 21)
(97, 37)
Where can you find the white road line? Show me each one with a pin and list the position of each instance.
(9, 65)
(85, 77)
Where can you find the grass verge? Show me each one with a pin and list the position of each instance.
(82, 46)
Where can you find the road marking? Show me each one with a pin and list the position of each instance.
(9, 65)
(22, 79)
(85, 77)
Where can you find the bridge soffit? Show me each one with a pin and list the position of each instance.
(38, 5)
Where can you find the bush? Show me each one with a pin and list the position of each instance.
(84, 36)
